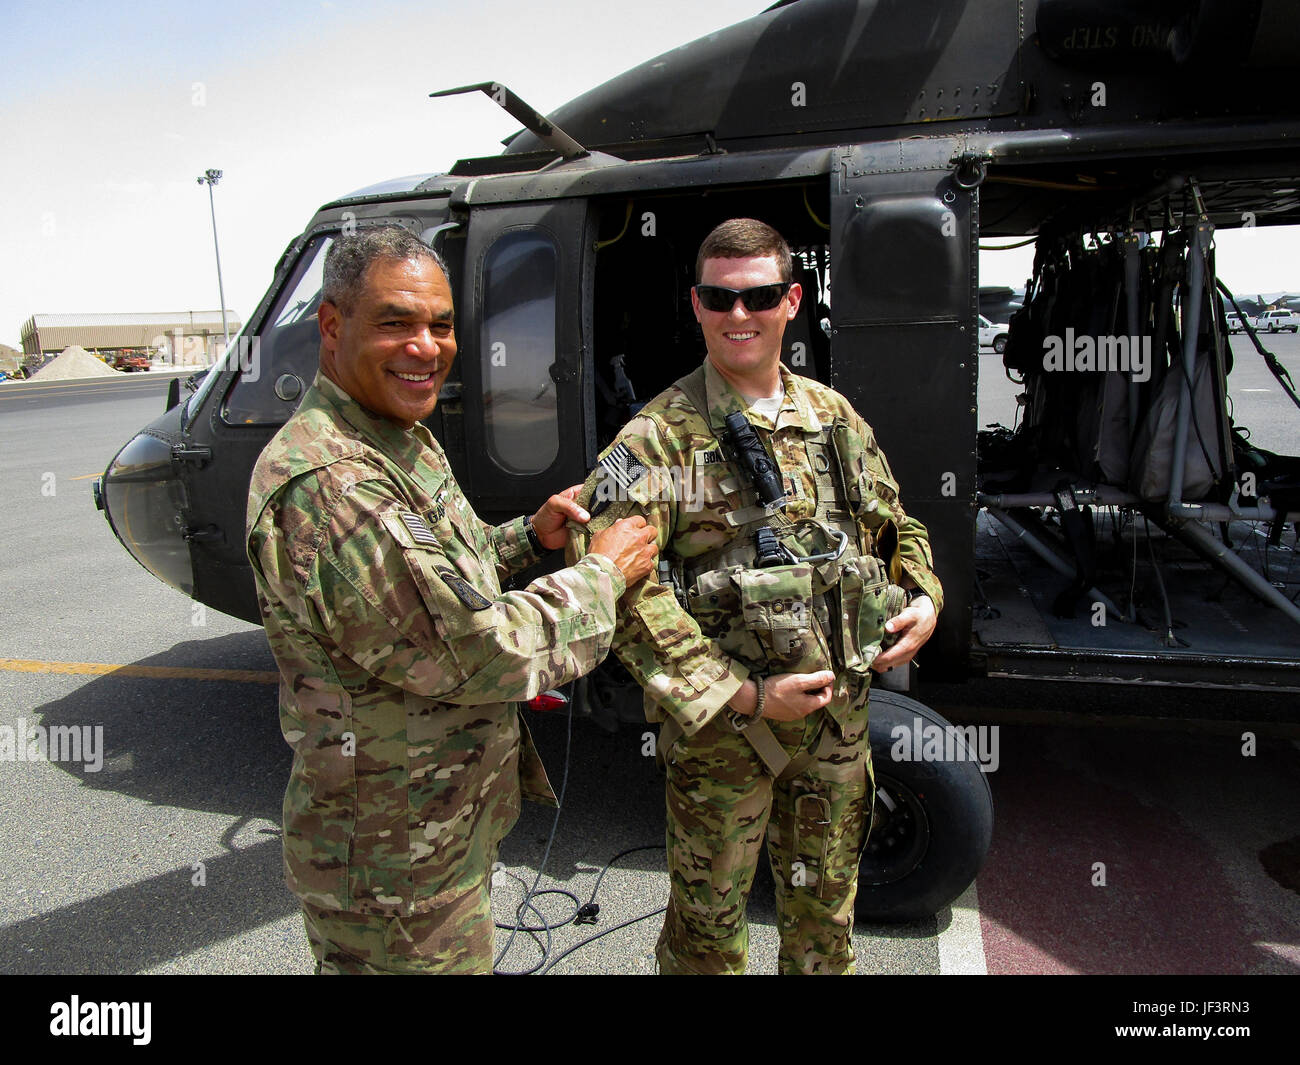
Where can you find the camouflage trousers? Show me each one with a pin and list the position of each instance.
(453, 938)
(721, 802)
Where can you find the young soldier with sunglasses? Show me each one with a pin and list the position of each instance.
(794, 573)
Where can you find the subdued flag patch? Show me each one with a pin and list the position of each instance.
(420, 532)
(623, 466)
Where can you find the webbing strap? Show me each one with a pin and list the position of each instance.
(693, 387)
(768, 748)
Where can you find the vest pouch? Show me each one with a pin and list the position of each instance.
(868, 600)
(776, 607)
(714, 603)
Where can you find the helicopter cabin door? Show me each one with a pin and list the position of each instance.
(904, 344)
(523, 335)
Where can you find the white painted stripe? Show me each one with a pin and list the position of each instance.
(961, 944)
(1257, 390)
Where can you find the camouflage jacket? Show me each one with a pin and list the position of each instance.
(674, 473)
(400, 657)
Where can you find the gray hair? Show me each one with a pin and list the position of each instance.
(349, 257)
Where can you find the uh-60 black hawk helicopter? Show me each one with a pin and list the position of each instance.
(884, 138)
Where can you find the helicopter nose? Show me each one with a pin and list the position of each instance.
(144, 502)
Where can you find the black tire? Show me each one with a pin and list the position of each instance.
(929, 848)
(1000, 343)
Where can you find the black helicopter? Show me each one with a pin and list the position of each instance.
(885, 139)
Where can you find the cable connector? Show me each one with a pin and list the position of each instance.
(587, 914)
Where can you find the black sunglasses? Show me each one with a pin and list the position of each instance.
(758, 298)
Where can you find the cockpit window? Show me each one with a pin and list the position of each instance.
(278, 366)
(517, 348)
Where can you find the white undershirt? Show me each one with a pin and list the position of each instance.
(767, 406)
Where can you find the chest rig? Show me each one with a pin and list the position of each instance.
(798, 595)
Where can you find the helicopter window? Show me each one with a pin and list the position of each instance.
(276, 368)
(517, 342)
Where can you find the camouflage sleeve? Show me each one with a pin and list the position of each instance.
(396, 603)
(684, 672)
(913, 537)
(513, 550)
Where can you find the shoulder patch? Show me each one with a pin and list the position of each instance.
(621, 471)
(465, 592)
(623, 466)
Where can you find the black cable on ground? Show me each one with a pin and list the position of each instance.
(582, 913)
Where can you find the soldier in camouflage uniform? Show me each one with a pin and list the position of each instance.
(760, 673)
(400, 657)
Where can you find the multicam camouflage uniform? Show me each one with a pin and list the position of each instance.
(668, 466)
(400, 658)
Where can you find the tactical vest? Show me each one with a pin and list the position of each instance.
(827, 612)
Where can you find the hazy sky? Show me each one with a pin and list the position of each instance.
(109, 113)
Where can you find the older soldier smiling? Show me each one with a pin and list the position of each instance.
(400, 656)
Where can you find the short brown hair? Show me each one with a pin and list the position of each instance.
(744, 238)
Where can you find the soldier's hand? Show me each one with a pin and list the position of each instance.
(630, 544)
(792, 696)
(548, 523)
(913, 627)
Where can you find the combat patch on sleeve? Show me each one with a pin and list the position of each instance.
(465, 592)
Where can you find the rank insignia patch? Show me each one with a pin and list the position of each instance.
(465, 592)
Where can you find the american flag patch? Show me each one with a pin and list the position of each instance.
(420, 532)
(624, 467)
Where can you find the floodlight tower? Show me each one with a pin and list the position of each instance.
(210, 178)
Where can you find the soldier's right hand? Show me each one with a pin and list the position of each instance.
(791, 696)
(630, 544)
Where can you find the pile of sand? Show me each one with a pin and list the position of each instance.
(71, 363)
(11, 360)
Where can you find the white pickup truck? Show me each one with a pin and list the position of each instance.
(993, 335)
(1277, 321)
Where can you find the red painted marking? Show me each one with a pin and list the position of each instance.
(1167, 906)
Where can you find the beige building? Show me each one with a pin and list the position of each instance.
(191, 338)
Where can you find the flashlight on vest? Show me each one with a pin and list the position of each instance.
(753, 458)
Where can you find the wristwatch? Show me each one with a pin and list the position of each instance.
(913, 594)
(533, 541)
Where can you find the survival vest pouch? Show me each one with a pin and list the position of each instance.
(818, 612)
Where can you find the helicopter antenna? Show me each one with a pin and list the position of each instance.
(534, 121)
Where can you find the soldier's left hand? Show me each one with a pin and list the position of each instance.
(913, 627)
(548, 523)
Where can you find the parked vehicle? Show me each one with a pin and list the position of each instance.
(128, 362)
(993, 335)
(1277, 322)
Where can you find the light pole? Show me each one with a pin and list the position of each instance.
(210, 178)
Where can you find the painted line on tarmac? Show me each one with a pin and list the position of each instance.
(961, 944)
(246, 676)
(83, 477)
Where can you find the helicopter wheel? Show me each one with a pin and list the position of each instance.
(932, 824)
